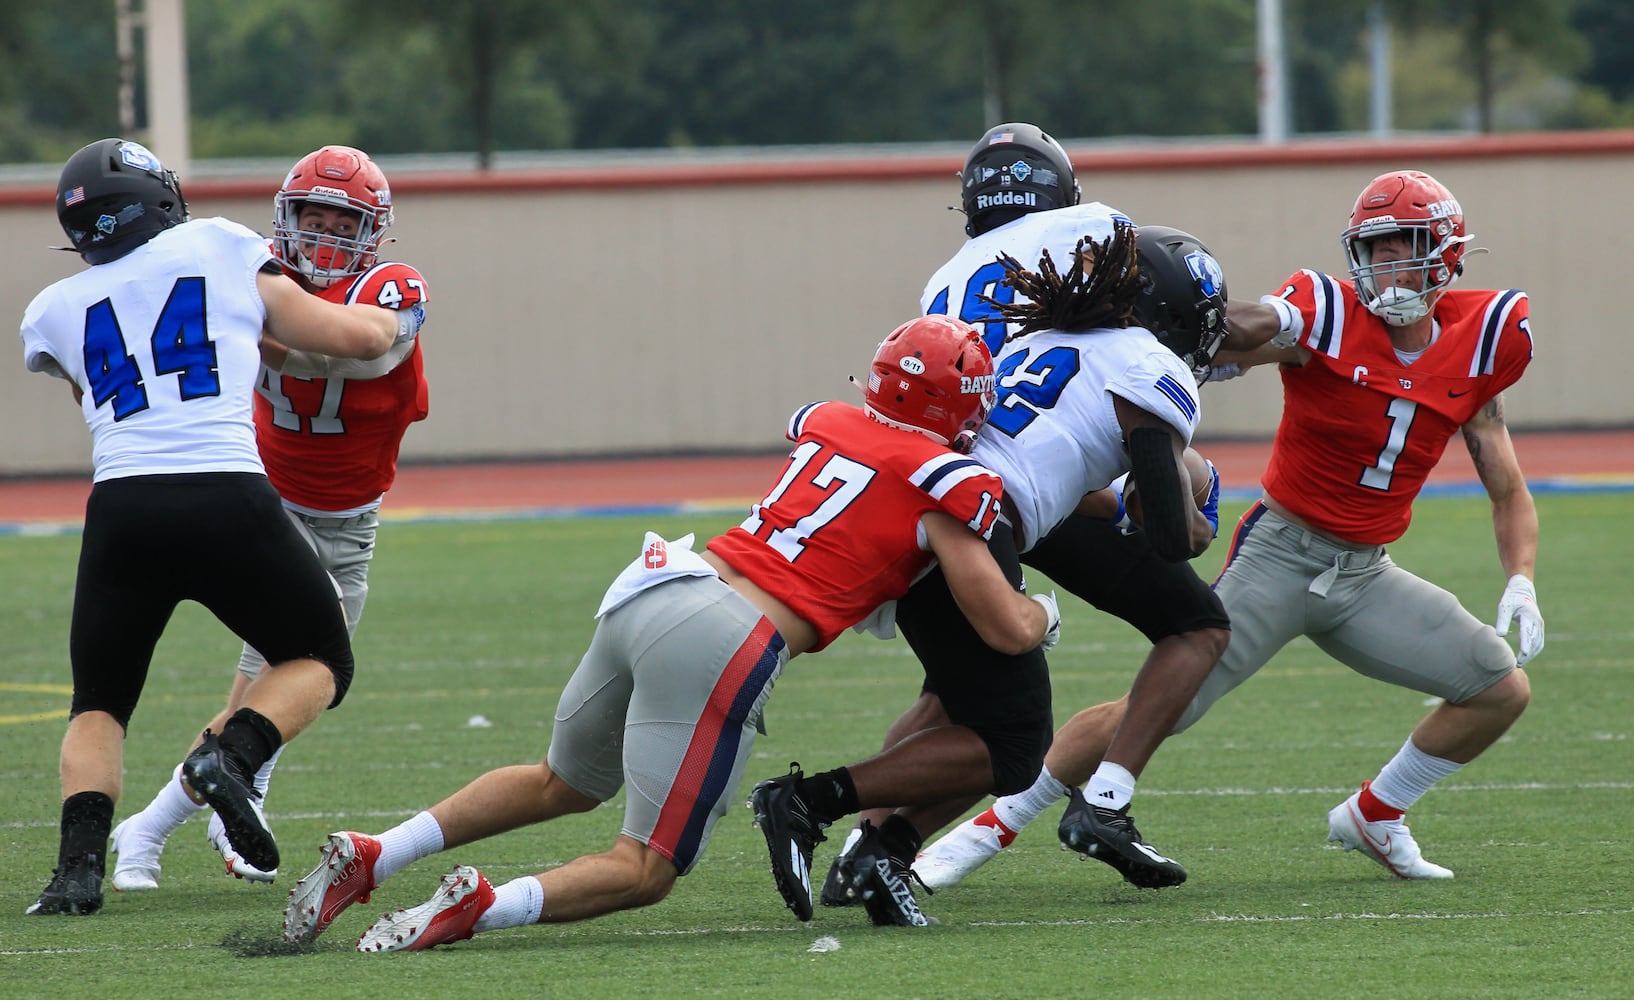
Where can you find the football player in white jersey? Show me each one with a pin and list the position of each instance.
(328, 431)
(1082, 397)
(160, 339)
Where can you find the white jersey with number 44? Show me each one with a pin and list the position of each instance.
(165, 345)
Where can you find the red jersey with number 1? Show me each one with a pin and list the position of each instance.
(1360, 429)
(331, 443)
(838, 535)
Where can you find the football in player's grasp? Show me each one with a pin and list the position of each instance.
(1201, 483)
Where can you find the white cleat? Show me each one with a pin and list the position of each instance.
(236, 865)
(1388, 842)
(956, 854)
(449, 915)
(137, 869)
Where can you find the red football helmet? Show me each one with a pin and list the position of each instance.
(340, 177)
(1410, 203)
(935, 376)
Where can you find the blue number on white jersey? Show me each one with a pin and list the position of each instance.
(973, 309)
(1036, 387)
(180, 344)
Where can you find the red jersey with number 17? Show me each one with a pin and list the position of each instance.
(331, 444)
(1360, 428)
(839, 535)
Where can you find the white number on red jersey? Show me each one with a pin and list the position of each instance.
(852, 478)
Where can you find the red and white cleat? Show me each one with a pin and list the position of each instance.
(449, 915)
(344, 876)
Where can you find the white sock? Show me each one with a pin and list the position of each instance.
(1016, 811)
(1410, 773)
(168, 811)
(517, 903)
(264, 776)
(1110, 787)
(417, 837)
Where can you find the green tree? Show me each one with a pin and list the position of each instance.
(1608, 28)
(59, 78)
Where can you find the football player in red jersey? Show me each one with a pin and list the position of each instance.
(328, 430)
(669, 696)
(1378, 374)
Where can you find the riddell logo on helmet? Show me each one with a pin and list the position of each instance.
(1024, 198)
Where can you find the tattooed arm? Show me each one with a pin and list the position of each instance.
(1514, 517)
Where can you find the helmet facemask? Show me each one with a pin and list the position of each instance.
(1433, 244)
(324, 258)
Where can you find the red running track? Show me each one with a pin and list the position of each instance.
(740, 479)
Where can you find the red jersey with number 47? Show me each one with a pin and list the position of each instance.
(838, 535)
(331, 444)
(1360, 429)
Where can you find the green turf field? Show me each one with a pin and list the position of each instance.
(470, 620)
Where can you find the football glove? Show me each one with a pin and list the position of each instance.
(1211, 509)
(1519, 603)
(1052, 634)
(409, 322)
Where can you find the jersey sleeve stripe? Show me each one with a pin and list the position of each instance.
(1330, 328)
(361, 280)
(797, 423)
(1178, 394)
(1492, 328)
(942, 473)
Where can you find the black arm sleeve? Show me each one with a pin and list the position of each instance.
(1163, 499)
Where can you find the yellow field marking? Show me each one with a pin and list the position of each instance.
(59, 689)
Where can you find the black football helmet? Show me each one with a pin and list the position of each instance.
(1183, 295)
(1014, 169)
(113, 196)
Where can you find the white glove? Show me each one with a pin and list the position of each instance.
(1223, 372)
(409, 322)
(1520, 603)
(1052, 634)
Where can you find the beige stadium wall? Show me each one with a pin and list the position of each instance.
(643, 309)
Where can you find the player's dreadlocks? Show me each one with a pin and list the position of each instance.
(1099, 290)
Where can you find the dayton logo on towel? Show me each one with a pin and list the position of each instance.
(656, 556)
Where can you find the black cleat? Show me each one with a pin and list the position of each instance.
(1109, 835)
(76, 888)
(791, 835)
(837, 886)
(212, 779)
(881, 883)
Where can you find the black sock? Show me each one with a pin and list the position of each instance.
(87, 818)
(901, 839)
(249, 740)
(829, 795)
